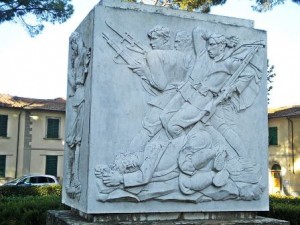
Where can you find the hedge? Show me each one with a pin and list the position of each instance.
(284, 208)
(28, 210)
(28, 205)
(6, 191)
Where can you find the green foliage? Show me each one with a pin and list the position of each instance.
(28, 210)
(32, 14)
(201, 5)
(28, 205)
(18, 209)
(267, 5)
(270, 75)
(284, 208)
(282, 199)
(205, 5)
(8, 191)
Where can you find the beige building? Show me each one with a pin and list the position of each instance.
(284, 150)
(31, 136)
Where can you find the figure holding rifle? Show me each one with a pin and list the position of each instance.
(229, 81)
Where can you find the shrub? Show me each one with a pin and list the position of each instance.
(28, 205)
(274, 199)
(6, 191)
(284, 208)
(28, 210)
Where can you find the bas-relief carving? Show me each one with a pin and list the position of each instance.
(80, 58)
(188, 148)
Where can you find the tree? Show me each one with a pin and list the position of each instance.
(266, 5)
(205, 5)
(190, 5)
(270, 75)
(32, 14)
(198, 5)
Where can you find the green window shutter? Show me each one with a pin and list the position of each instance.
(273, 136)
(2, 165)
(3, 125)
(51, 165)
(53, 128)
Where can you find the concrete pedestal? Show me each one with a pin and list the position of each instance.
(232, 218)
(153, 117)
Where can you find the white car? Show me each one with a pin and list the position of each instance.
(33, 180)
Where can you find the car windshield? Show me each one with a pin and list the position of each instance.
(16, 180)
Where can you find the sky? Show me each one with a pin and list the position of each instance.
(37, 67)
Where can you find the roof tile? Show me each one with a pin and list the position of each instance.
(285, 112)
(8, 101)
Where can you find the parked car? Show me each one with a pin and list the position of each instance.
(35, 180)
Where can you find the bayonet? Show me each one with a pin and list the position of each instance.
(120, 51)
(134, 45)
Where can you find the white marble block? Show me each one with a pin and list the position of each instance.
(166, 112)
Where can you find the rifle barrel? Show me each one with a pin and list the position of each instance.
(105, 37)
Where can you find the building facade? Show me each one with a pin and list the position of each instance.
(284, 150)
(31, 136)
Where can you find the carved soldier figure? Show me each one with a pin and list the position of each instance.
(165, 70)
(197, 98)
(132, 172)
(195, 162)
(79, 69)
(205, 170)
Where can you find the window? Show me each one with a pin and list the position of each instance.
(276, 167)
(273, 136)
(3, 125)
(43, 180)
(2, 165)
(52, 128)
(51, 165)
(34, 180)
(26, 180)
(50, 180)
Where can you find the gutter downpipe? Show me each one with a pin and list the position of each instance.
(18, 138)
(18, 141)
(293, 148)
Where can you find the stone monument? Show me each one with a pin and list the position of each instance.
(166, 113)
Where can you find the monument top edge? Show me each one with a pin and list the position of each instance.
(175, 12)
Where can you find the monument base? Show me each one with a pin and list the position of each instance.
(69, 217)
